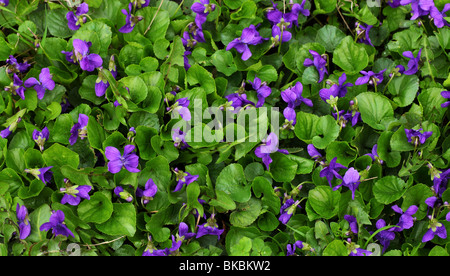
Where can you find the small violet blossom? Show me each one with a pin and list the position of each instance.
(413, 63)
(202, 9)
(293, 96)
(178, 137)
(15, 66)
(79, 129)
(374, 154)
(439, 16)
(236, 101)
(416, 136)
(362, 31)
(269, 145)
(24, 221)
(290, 249)
(355, 250)
(350, 180)
(183, 233)
(101, 84)
(262, 90)
(370, 77)
(43, 174)
(183, 178)
(149, 191)
(130, 20)
(319, 61)
(337, 90)
(40, 137)
(16, 87)
(385, 236)
(406, 221)
(352, 223)
(331, 171)
(74, 194)
(249, 36)
(209, 228)
(57, 225)
(45, 82)
(288, 209)
(435, 228)
(123, 194)
(419, 7)
(117, 161)
(180, 107)
(4, 3)
(446, 95)
(7, 131)
(75, 20)
(88, 62)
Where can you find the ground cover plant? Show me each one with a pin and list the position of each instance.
(224, 128)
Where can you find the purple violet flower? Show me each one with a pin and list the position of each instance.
(182, 234)
(43, 174)
(319, 61)
(249, 36)
(79, 129)
(439, 16)
(445, 94)
(416, 136)
(269, 145)
(314, 153)
(149, 191)
(45, 82)
(419, 7)
(120, 192)
(435, 228)
(440, 183)
(336, 90)
(262, 90)
(374, 154)
(4, 3)
(355, 250)
(57, 224)
(24, 221)
(238, 101)
(88, 62)
(40, 137)
(393, 3)
(117, 161)
(74, 194)
(331, 170)
(130, 21)
(7, 131)
(290, 249)
(406, 221)
(209, 228)
(202, 9)
(178, 137)
(16, 87)
(413, 63)
(183, 178)
(385, 236)
(350, 180)
(279, 36)
(15, 66)
(293, 96)
(181, 107)
(288, 209)
(352, 223)
(75, 20)
(370, 77)
(290, 116)
(362, 31)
